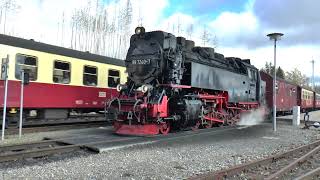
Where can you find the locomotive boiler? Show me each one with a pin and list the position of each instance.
(173, 84)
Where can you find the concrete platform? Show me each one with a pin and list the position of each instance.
(103, 139)
(96, 139)
(313, 116)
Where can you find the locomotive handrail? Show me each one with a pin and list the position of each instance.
(161, 96)
(135, 55)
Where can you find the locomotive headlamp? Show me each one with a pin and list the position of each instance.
(139, 30)
(146, 88)
(121, 87)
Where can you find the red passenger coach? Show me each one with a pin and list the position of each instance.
(287, 94)
(317, 101)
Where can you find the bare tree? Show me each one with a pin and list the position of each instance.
(297, 77)
(94, 29)
(205, 36)
(213, 40)
(127, 21)
(179, 26)
(209, 39)
(189, 31)
(6, 7)
(173, 29)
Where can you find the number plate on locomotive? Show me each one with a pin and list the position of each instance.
(141, 61)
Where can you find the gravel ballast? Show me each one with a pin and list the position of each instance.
(175, 159)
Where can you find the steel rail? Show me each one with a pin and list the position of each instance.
(223, 174)
(57, 127)
(19, 147)
(290, 166)
(12, 156)
(39, 149)
(310, 174)
(53, 146)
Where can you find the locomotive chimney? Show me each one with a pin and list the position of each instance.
(181, 40)
(189, 45)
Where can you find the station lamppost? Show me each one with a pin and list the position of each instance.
(275, 37)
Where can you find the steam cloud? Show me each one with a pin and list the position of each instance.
(255, 117)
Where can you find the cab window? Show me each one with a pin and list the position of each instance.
(113, 78)
(252, 74)
(90, 76)
(61, 72)
(28, 64)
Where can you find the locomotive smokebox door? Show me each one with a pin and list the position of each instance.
(142, 69)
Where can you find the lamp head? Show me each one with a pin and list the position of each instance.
(275, 36)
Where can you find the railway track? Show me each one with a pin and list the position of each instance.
(46, 148)
(35, 149)
(299, 163)
(32, 122)
(63, 145)
(56, 127)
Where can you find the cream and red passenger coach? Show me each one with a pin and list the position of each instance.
(61, 79)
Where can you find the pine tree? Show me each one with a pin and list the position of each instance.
(280, 73)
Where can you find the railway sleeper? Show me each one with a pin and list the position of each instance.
(35, 150)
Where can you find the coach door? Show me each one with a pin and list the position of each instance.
(299, 95)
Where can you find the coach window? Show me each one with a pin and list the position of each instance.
(90, 76)
(26, 63)
(61, 72)
(113, 78)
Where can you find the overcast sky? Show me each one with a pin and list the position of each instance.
(239, 25)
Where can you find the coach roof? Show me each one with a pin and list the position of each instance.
(38, 46)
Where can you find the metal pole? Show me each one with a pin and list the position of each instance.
(4, 109)
(313, 74)
(21, 104)
(5, 100)
(274, 122)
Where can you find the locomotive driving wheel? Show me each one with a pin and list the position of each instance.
(164, 128)
(196, 126)
(233, 118)
(209, 124)
(229, 119)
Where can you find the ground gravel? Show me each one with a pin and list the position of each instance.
(177, 159)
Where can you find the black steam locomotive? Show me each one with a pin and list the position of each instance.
(173, 85)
